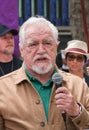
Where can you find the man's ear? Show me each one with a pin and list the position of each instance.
(58, 44)
(21, 51)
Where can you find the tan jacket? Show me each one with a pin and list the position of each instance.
(22, 109)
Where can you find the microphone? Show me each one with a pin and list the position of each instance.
(57, 79)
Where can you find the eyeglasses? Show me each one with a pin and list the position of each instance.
(79, 58)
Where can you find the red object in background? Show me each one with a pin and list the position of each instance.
(86, 35)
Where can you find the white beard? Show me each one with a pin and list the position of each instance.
(41, 69)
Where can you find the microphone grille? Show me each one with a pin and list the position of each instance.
(57, 78)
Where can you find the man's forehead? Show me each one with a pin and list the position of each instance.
(33, 32)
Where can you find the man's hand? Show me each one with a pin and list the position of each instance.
(66, 102)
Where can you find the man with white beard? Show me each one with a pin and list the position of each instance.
(29, 99)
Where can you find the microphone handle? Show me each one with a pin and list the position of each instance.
(58, 85)
(64, 115)
(63, 112)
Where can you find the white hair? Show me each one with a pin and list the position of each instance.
(32, 20)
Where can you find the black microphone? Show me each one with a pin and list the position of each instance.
(57, 79)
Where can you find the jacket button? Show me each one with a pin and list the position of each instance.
(37, 101)
(42, 124)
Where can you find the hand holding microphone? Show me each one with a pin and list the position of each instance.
(63, 97)
(57, 79)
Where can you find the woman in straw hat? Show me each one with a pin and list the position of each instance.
(76, 55)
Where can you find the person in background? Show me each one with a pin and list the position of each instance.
(86, 67)
(61, 62)
(76, 55)
(64, 65)
(8, 62)
(29, 99)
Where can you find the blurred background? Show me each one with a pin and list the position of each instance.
(71, 17)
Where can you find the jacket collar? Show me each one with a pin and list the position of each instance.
(21, 75)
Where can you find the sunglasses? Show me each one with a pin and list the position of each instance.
(78, 58)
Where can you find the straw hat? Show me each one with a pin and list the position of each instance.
(76, 46)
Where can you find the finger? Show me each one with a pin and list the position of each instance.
(62, 90)
(60, 96)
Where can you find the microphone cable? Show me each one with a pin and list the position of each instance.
(64, 118)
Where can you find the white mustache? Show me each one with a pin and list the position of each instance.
(41, 56)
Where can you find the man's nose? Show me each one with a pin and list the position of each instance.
(9, 39)
(41, 48)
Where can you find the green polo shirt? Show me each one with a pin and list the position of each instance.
(44, 90)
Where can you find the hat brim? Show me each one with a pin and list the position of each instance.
(66, 51)
(13, 31)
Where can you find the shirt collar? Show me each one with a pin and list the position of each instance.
(33, 78)
(22, 74)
